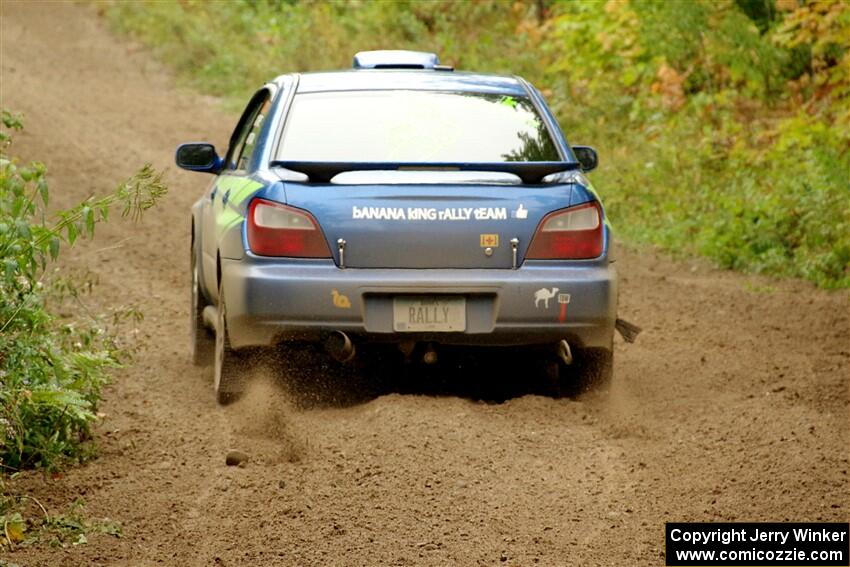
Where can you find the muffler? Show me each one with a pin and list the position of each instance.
(340, 347)
(564, 352)
(430, 355)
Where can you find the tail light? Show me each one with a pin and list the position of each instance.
(570, 234)
(278, 230)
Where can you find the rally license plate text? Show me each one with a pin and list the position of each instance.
(412, 314)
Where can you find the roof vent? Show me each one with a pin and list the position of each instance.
(397, 59)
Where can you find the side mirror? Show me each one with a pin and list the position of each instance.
(586, 156)
(198, 156)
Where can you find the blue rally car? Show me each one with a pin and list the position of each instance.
(400, 202)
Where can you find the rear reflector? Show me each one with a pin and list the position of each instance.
(570, 234)
(277, 230)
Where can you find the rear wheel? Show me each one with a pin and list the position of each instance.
(594, 368)
(591, 370)
(230, 366)
(203, 340)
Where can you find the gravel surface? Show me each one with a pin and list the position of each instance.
(731, 406)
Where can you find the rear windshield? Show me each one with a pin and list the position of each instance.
(414, 126)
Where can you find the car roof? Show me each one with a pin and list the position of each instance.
(409, 79)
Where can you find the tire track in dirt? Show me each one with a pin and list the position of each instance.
(732, 405)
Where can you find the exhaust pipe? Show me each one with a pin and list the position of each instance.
(430, 355)
(564, 352)
(340, 347)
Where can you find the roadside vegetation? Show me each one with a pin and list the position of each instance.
(25, 521)
(723, 126)
(55, 355)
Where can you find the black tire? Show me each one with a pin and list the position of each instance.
(551, 372)
(229, 369)
(203, 340)
(591, 371)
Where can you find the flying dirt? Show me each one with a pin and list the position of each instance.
(732, 405)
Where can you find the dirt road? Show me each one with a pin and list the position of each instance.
(732, 405)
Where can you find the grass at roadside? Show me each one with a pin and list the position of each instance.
(724, 127)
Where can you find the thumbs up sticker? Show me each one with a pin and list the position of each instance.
(521, 212)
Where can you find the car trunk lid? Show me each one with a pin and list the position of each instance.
(457, 225)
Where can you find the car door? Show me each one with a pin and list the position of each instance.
(233, 177)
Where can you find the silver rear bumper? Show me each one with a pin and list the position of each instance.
(273, 300)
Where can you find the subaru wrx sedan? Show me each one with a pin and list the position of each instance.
(401, 202)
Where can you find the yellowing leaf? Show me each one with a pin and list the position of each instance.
(14, 528)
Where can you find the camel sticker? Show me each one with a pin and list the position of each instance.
(544, 295)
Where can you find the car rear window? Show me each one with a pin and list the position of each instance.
(414, 126)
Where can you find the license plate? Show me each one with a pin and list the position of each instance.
(442, 314)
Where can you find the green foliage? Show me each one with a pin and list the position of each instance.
(231, 48)
(18, 527)
(52, 368)
(721, 144)
(723, 125)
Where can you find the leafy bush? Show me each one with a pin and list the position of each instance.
(719, 145)
(724, 126)
(52, 369)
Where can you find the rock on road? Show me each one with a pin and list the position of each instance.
(731, 406)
